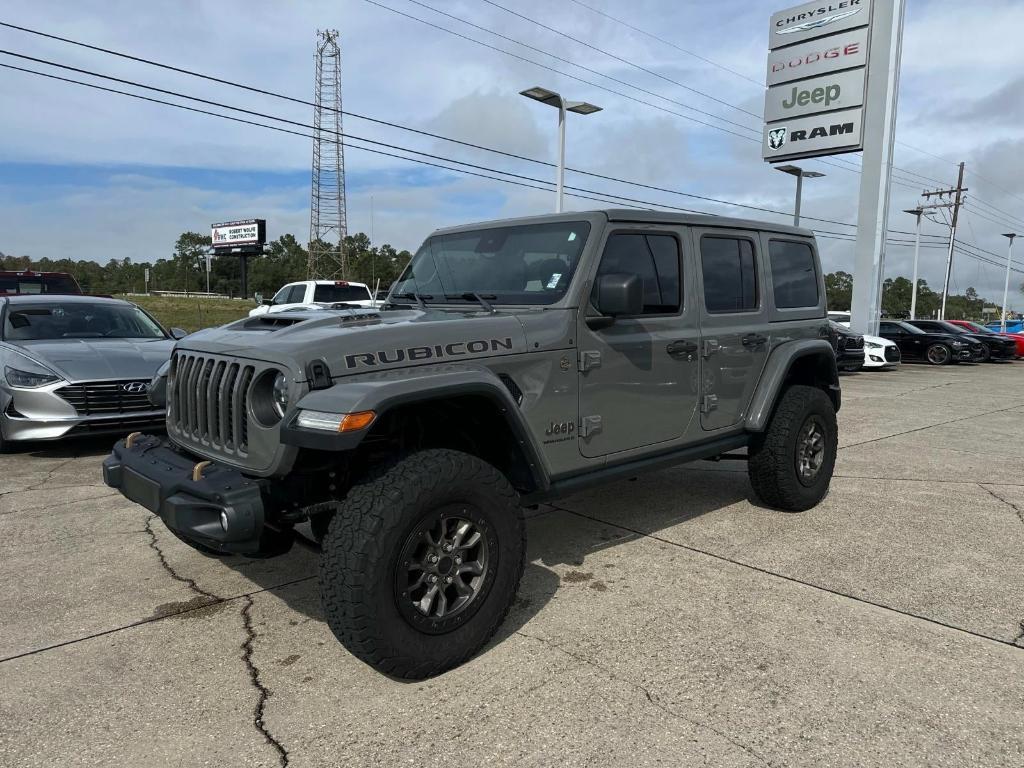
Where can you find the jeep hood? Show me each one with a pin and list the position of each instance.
(356, 341)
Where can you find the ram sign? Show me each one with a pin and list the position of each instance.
(235, 234)
(816, 79)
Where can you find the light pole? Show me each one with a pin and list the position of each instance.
(552, 99)
(917, 249)
(800, 174)
(1006, 285)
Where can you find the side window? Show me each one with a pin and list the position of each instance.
(889, 328)
(794, 279)
(281, 297)
(297, 294)
(730, 274)
(655, 258)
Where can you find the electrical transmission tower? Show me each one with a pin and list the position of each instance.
(327, 218)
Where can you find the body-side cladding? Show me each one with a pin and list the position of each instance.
(779, 364)
(382, 392)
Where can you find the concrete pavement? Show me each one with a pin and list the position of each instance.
(666, 621)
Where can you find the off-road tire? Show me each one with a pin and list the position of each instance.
(937, 359)
(366, 538)
(772, 464)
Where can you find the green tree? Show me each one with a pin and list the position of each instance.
(839, 290)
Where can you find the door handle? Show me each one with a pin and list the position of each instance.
(753, 340)
(682, 349)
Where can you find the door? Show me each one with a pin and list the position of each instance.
(734, 322)
(910, 344)
(293, 295)
(639, 376)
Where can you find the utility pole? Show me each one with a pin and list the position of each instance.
(957, 202)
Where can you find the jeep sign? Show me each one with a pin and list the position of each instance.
(816, 77)
(826, 134)
(820, 94)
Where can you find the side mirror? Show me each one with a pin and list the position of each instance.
(178, 333)
(620, 294)
(267, 302)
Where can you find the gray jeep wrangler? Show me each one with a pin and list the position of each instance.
(515, 362)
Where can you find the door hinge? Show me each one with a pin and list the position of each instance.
(710, 347)
(590, 425)
(589, 359)
(708, 403)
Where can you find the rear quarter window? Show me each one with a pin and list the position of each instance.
(794, 277)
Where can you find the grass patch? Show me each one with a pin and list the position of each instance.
(192, 314)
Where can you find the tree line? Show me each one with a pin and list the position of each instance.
(896, 295)
(284, 261)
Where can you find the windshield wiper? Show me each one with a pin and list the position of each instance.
(481, 300)
(417, 297)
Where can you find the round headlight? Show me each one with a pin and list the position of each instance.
(279, 392)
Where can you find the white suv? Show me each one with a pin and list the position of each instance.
(317, 293)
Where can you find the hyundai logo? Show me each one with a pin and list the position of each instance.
(135, 387)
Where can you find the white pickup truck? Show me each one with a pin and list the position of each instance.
(316, 293)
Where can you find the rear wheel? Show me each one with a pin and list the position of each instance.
(986, 354)
(791, 463)
(939, 354)
(421, 562)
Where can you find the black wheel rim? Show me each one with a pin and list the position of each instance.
(810, 450)
(937, 355)
(445, 568)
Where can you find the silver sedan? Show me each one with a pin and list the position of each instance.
(74, 365)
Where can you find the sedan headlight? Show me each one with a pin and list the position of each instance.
(872, 345)
(17, 377)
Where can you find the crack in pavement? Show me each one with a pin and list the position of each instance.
(1010, 504)
(262, 692)
(651, 698)
(60, 503)
(930, 426)
(190, 583)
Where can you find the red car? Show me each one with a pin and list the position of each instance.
(1018, 338)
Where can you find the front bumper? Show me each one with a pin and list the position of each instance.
(222, 510)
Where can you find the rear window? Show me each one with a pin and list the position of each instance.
(341, 292)
(794, 279)
(36, 284)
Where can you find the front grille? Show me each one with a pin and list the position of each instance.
(108, 398)
(892, 354)
(209, 401)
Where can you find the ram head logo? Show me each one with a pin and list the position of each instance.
(777, 137)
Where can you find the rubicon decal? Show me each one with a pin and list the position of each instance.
(432, 352)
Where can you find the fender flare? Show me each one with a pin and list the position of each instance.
(776, 370)
(382, 392)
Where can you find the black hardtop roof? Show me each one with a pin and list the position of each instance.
(635, 216)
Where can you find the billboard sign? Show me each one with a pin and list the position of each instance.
(818, 57)
(817, 19)
(816, 79)
(824, 134)
(827, 93)
(234, 234)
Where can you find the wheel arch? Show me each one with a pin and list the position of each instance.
(807, 361)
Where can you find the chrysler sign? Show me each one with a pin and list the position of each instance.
(816, 79)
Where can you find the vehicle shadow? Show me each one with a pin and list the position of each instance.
(69, 448)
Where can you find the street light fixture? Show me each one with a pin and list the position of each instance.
(800, 174)
(552, 99)
(917, 249)
(1006, 285)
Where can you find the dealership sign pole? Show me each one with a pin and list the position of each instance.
(833, 71)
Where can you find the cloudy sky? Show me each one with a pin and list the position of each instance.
(90, 174)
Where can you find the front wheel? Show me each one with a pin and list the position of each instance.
(422, 561)
(790, 464)
(939, 354)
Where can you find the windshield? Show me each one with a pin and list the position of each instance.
(341, 292)
(975, 328)
(910, 328)
(524, 264)
(38, 322)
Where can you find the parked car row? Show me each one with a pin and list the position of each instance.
(938, 342)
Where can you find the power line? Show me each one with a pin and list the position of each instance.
(620, 59)
(668, 43)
